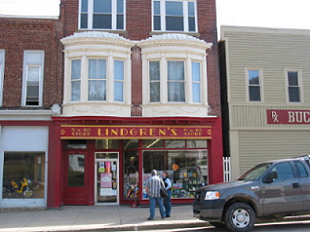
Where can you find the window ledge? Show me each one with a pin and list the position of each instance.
(175, 109)
(195, 34)
(120, 32)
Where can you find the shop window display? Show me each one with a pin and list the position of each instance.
(187, 169)
(24, 175)
(131, 175)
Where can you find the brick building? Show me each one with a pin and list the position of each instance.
(133, 86)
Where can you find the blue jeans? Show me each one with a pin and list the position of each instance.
(159, 201)
(167, 203)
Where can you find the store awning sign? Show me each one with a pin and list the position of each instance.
(135, 132)
(288, 116)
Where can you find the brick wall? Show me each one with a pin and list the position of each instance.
(19, 34)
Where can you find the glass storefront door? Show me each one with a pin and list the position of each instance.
(106, 178)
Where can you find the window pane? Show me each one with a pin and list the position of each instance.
(154, 71)
(191, 9)
(284, 171)
(176, 70)
(33, 73)
(174, 8)
(84, 5)
(97, 90)
(155, 91)
(196, 143)
(102, 21)
(187, 169)
(97, 69)
(131, 174)
(107, 144)
(75, 90)
(84, 20)
(294, 94)
(118, 91)
(253, 77)
(76, 70)
(191, 24)
(254, 92)
(174, 23)
(120, 22)
(176, 92)
(118, 70)
(102, 6)
(301, 169)
(174, 143)
(196, 92)
(24, 175)
(156, 8)
(120, 6)
(76, 170)
(157, 23)
(292, 78)
(196, 71)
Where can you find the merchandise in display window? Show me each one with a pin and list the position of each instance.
(131, 175)
(187, 169)
(24, 175)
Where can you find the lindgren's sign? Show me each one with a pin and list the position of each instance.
(135, 132)
(288, 116)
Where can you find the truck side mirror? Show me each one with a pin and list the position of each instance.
(270, 177)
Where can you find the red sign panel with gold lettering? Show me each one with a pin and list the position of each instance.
(288, 116)
(135, 132)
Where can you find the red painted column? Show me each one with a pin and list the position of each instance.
(54, 194)
(215, 153)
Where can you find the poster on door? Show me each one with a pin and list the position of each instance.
(105, 180)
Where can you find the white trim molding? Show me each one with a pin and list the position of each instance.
(2, 63)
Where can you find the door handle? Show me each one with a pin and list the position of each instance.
(295, 185)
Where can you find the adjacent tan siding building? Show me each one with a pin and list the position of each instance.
(266, 94)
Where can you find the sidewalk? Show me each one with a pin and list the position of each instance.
(97, 218)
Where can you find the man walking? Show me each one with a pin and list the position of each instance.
(153, 186)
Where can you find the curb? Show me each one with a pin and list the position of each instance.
(139, 227)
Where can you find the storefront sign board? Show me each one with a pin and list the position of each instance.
(135, 132)
(288, 116)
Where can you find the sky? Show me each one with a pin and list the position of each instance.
(257, 13)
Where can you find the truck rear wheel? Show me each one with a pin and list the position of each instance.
(239, 217)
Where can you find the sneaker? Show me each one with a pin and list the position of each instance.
(162, 217)
(150, 218)
(167, 215)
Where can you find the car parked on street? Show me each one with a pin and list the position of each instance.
(272, 189)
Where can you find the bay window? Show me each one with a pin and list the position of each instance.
(75, 80)
(176, 91)
(97, 80)
(173, 15)
(102, 14)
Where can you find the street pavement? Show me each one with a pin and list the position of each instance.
(97, 218)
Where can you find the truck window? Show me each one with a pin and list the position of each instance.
(301, 169)
(284, 171)
(255, 172)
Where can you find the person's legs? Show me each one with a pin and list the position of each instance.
(168, 203)
(161, 206)
(152, 206)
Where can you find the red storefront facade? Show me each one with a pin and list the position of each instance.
(89, 131)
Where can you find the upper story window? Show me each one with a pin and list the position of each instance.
(102, 14)
(33, 70)
(97, 74)
(174, 15)
(254, 85)
(293, 86)
(1, 74)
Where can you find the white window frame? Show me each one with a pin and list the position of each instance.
(73, 80)
(261, 84)
(163, 64)
(88, 80)
(109, 80)
(119, 81)
(2, 62)
(185, 15)
(90, 14)
(25, 75)
(299, 73)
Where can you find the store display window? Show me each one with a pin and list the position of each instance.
(107, 144)
(187, 169)
(131, 175)
(24, 175)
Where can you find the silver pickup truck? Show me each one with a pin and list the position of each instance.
(272, 189)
